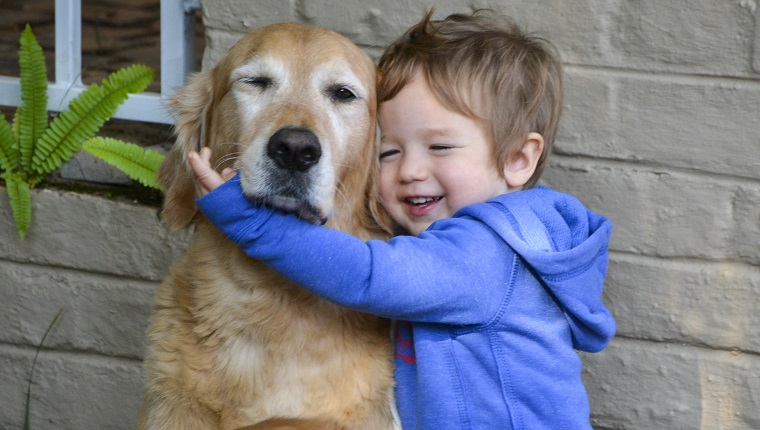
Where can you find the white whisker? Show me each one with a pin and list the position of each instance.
(229, 157)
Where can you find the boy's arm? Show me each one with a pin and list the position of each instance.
(329, 262)
(242, 221)
(406, 278)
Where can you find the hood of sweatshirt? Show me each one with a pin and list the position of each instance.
(565, 245)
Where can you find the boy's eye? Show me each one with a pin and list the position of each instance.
(389, 153)
(440, 147)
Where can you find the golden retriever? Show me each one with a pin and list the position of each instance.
(231, 343)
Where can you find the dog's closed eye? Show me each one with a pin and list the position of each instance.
(262, 82)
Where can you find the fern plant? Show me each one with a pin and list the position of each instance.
(138, 163)
(30, 148)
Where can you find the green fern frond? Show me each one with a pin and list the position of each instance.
(21, 202)
(33, 118)
(139, 164)
(15, 125)
(85, 115)
(8, 146)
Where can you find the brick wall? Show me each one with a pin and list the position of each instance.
(660, 133)
(99, 260)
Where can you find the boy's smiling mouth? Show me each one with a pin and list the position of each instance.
(421, 201)
(420, 206)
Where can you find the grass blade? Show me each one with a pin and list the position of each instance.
(31, 372)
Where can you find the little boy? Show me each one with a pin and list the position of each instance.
(498, 282)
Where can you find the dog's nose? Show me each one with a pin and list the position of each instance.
(294, 148)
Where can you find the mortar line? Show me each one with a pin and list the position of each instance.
(665, 76)
(697, 261)
(107, 275)
(690, 344)
(658, 168)
(71, 353)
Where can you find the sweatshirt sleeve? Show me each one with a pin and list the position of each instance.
(424, 278)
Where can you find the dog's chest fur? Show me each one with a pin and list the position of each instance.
(235, 354)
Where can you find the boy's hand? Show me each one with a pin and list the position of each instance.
(206, 178)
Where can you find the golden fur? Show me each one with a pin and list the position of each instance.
(231, 343)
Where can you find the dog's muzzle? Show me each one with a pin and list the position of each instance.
(294, 151)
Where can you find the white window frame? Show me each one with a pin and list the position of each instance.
(177, 61)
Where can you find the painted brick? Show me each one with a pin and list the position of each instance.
(101, 314)
(704, 37)
(242, 16)
(752, 6)
(15, 364)
(91, 233)
(85, 167)
(745, 238)
(704, 124)
(663, 213)
(589, 116)
(635, 385)
(566, 24)
(712, 38)
(377, 24)
(692, 302)
(70, 391)
(218, 42)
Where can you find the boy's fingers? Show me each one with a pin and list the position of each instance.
(206, 154)
(197, 164)
(227, 174)
(204, 174)
(211, 180)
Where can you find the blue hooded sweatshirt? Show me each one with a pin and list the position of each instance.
(490, 304)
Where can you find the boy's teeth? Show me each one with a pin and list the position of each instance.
(420, 200)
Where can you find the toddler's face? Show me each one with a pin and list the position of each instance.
(433, 161)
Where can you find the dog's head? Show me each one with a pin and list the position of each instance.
(292, 108)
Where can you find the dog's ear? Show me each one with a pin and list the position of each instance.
(190, 106)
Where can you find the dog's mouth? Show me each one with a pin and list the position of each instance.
(292, 205)
(287, 175)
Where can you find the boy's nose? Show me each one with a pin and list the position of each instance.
(411, 170)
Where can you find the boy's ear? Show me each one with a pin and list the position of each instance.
(521, 166)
